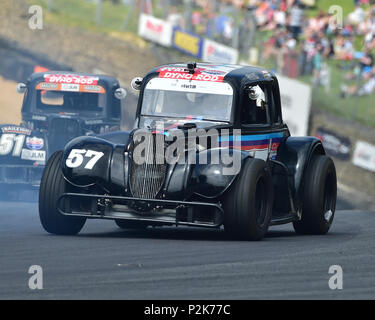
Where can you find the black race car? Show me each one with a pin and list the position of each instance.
(57, 107)
(209, 148)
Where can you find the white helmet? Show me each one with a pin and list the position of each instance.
(194, 96)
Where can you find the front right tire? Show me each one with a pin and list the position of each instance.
(52, 186)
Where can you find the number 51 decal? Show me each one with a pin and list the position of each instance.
(9, 142)
(76, 158)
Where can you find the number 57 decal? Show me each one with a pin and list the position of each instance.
(77, 156)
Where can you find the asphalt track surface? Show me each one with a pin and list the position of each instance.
(183, 263)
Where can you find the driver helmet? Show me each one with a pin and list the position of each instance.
(194, 96)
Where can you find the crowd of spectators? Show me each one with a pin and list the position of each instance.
(297, 41)
(213, 19)
(314, 40)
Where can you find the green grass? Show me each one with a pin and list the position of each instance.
(80, 13)
(361, 109)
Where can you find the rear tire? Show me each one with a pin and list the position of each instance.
(126, 224)
(319, 197)
(249, 201)
(52, 186)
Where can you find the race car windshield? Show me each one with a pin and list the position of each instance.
(172, 98)
(74, 102)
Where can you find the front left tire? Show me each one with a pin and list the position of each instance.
(248, 202)
(52, 186)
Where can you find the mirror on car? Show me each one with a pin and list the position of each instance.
(120, 93)
(21, 87)
(136, 83)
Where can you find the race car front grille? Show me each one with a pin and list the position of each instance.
(147, 178)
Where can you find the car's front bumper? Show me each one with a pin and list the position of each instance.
(117, 207)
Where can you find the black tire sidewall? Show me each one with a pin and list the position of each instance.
(315, 192)
(240, 218)
(52, 186)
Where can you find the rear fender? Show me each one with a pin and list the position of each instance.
(296, 153)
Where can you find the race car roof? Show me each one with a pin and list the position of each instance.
(108, 81)
(236, 74)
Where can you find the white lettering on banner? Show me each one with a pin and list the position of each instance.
(69, 87)
(219, 53)
(155, 30)
(47, 85)
(33, 155)
(177, 75)
(172, 69)
(296, 104)
(364, 155)
(66, 78)
(15, 129)
(189, 76)
(221, 88)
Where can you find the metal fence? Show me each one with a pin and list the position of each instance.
(218, 20)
